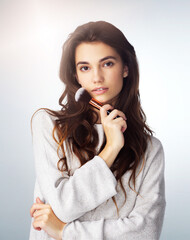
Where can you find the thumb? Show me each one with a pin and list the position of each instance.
(38, 200)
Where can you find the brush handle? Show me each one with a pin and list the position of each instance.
(95, 103)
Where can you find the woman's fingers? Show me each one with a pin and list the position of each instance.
(38, 206)
(114, 125)
(104, 109)
(116, 113)
(39, 223)
(122, 123)
(115, 117)
(107, 107)
(41, 212)
(113, 114)
(38, 200)
(32, 210)
(44, 218)
(38, 212)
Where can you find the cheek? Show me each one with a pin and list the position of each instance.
(117, 78)
(84, 79)
(117, 73)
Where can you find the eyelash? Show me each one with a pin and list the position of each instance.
(83, 67)
(110, 65)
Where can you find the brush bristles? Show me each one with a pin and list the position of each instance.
(82, 95)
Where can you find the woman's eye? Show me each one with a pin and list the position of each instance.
(108, 64)
(84, 68)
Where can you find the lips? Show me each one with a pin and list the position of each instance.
(100, 90)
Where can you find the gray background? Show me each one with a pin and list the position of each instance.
(32, 34)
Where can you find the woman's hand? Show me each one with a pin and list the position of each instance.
(114, 125)
(45, 219)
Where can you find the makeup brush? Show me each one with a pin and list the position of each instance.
(83, 96)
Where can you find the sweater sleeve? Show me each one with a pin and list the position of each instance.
(69, 196)
(144, 221)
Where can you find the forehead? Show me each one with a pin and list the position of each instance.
(94, 51)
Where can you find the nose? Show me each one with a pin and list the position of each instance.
(97, 75)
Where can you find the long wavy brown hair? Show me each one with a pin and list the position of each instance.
(75, 121)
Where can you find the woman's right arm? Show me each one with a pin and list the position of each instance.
(70, 197)
(114, 125)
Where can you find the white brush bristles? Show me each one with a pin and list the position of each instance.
(78, 94)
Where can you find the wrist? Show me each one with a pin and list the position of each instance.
(109, 154)
(113, 148)
(61, 231)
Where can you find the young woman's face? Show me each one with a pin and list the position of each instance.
(100, 70)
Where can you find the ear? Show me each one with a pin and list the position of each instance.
(125, 71)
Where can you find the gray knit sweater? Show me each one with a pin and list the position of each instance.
(83, 199)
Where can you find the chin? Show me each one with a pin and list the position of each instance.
(103, 100)
(107, 100)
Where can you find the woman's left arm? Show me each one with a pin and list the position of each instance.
(145, 220)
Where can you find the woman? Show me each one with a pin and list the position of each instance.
(99, 175)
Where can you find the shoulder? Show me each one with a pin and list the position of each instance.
(154, 145)
(155, 152)
(42, 113)
(41, 119)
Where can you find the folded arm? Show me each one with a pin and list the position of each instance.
(145, 220)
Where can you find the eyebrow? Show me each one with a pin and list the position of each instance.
(101, 60)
